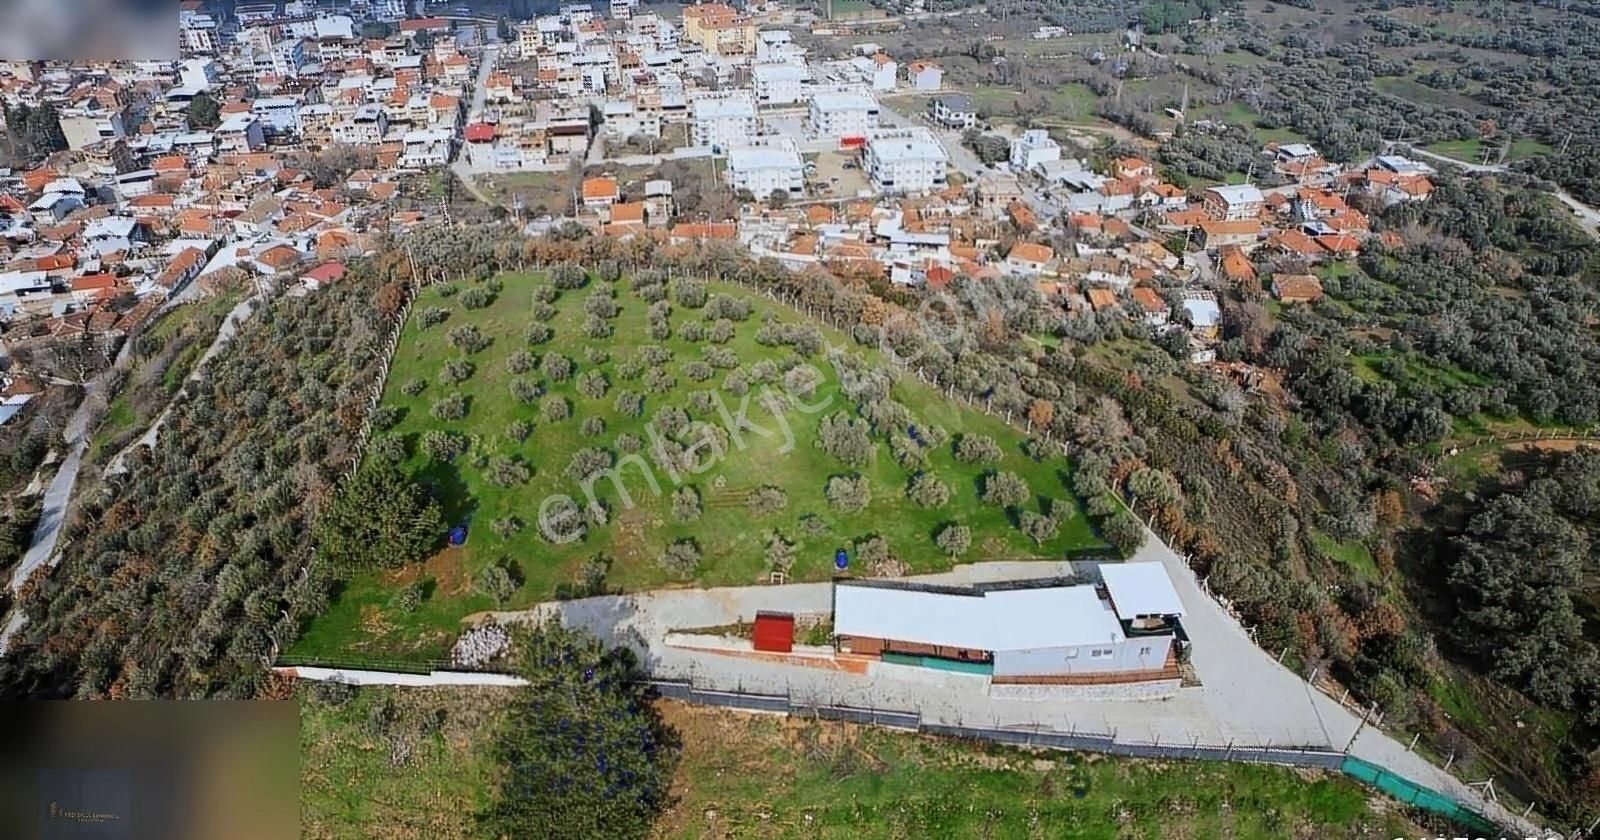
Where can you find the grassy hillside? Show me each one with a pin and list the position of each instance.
(732, 537)
(412, 763)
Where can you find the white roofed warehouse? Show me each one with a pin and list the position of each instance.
(1124, 631)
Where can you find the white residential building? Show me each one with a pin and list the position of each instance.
(1033, 148)
(426, 147)
(197, 33)
(240, 133)
(86, 128)
(773, 165)
(278, 114)
(878, 69)
(722, 120)
(198, 74)
(843, 113)
(364, 128)
(779, 84)
(953, 110)
(1233, 202)
(904, 160)
(777, 46)
(1126, 631)
(924, 76)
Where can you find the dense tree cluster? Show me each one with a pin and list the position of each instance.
(583, 752)
(187, 572)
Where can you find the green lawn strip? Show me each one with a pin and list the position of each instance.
(848, 782)
(1353, 554)
(1472, 151)
(731, 539)
(1239, 113)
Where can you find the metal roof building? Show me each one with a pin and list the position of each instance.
(1047, 633)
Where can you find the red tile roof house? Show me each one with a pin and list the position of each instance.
(1028, 258)
(277, 259)
(91, 287)
(322, 275)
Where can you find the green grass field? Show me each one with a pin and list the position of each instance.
(351, 785)
(1238, 113)
(768, 777)
(1068, 103)
(1471, 151)
(731, 538)
(1352, 554)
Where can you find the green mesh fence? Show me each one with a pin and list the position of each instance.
(939, 664)
(1416, 795)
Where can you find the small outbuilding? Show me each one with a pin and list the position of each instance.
(774, 632)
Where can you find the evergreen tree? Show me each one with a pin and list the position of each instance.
(204, 112)
(378, 518)
(584, 754)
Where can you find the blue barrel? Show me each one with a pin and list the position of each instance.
(458, 535)
(841, 559)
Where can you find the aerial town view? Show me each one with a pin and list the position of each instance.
(800, 419)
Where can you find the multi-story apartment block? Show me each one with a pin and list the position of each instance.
(197, 33)
(843, 113)
(278, 114)
(770, 165)
(365, 127)
(779, 84)
(1033, 148)
(904, 160)
(722, 120)
(719, 29)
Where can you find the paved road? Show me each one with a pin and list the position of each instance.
(480, 86)
(1247, 698)
(461, 167)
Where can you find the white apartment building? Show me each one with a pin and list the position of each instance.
(623, 9)
(83, 128)
(904, 160)
(722, 120)
(779, 84)
(278, 114)
(843, 113)
(770, 166)
(197, 33)
(198, 74)
(240, 133)
(1033, 148)
(777, 46)
(426, 147)
(878, 69)
(364, 128)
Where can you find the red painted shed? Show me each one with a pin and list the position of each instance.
(774, 632)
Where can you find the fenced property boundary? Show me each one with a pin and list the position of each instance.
(1398, 787)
